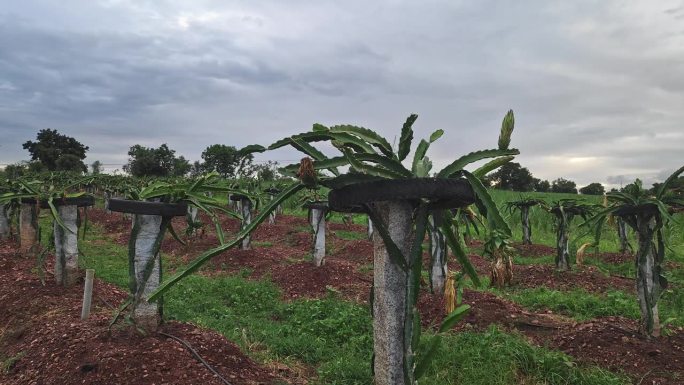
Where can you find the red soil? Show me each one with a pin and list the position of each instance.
(303, 279)
(613, 343)
(580, 277)
(616, 258)
(282, 258)
(588, 278)
(350, 227)
(41, 327)
(535, 250)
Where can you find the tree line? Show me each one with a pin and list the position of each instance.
(52, 151)
(512, 176)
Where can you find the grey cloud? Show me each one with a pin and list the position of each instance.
(583, 77)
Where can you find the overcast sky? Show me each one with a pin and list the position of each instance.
(597, 86)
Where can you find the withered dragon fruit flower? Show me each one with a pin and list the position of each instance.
(306, 173)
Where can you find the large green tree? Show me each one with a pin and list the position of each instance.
(562, 185)
(96, 167)
(676, 186)
(162, 161)
(593, 189)
(541, 185)
(226, 160)
(512, 176)
(13, 171)
(57, 152)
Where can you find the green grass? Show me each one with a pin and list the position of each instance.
(577, 303)
(494, 357)
(626, 269)
(7, 363)
(351, 235)
(583, 306)
(359, 219)
(334, 336)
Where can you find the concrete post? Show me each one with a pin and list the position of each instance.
(87, 293)
(4, 222)
(389, 294)
(147, 314)
(28, 228)
(563, 243)
(622, 236)
(648, 275)
(66, 246)
(526, 229)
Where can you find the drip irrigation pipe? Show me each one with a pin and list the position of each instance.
(197, 356)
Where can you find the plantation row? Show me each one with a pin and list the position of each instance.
(404, 205)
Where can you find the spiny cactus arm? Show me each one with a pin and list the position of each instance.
(475, 156)
(420, 161)
(663, 188)
(492, 211)
(207, 255)
(507, 126)
(368, 136)
(406, 137)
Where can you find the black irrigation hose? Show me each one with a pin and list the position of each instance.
(107, 303)
(199, 358)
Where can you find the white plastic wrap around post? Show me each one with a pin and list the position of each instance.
(318, 224)
(107, 196)
(370, 229)
(66, 246)
(191, 217)
(246, 208)
(194, 212)
(272, 215)
(87, 293)
(439, 269)
(147, 314)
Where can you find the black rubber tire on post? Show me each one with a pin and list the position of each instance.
(272, 191)
(238, 197)
(149, 208)
(648, 208)
(443, 193)
(82, 201)
(321, 205)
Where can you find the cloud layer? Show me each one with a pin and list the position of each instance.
(597, 86)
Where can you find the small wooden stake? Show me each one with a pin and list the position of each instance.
(87, 293)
